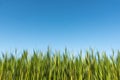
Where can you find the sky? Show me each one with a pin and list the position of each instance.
(75, 24)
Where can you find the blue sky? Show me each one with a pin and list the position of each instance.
(75, 24)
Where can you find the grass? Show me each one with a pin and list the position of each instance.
(44, 66)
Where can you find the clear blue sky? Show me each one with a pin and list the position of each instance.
(76, 24)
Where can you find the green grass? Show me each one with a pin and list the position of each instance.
(44, 66)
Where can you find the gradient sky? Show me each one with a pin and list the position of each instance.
(76, 24)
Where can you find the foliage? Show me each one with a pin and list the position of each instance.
(44, 66)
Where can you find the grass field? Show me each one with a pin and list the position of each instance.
(43, 66)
